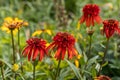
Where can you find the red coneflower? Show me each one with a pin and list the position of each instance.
(64, 42)
(110, 26)
(102, 77)
(35, 47)
(90, 15)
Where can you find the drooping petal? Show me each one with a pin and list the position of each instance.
(30, 53)
(35, 54)
(63, 53)
(58, 53)
(26, 51)
(41, 55)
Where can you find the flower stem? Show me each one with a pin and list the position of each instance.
(103, 59)
(89, 53)
(2, 72)
(13, 47)
(34, 70)
(58, 70)
(19, 48)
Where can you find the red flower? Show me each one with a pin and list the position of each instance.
(64, 42)
(90, 15)
(110, 26)
(34, 48)
(102, 77)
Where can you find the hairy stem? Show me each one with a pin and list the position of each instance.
(58, 68)
(103, 59)
(13, 46)
(34, 70)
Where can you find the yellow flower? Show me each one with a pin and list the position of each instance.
(15, 67)
(13, 23)
(39, 32)
(77, 60)
(7, 30)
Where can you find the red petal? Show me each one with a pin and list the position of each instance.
(82, 20)
(26, 51)
(69, 53)
(88, 22)
(63, 53)
(74, 52)
(35, 53)
(30, 53)
(57, 54)
(98, 19)
(41, 55)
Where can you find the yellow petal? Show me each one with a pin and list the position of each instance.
(38, 32)
(48, 31)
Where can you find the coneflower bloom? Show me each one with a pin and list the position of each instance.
(102, 77)
(64, 43)
(90, 15)
(110, 27)
(35, 47)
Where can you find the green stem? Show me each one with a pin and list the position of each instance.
(19, 48)
(103, 59)
(2, 72)
(13, 47)
(34, 70)
(89, 53)
(58, 68)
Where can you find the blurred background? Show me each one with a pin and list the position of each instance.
(62, 15)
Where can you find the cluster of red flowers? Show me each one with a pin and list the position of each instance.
(110, 26)
(91, 15)
(34, 48)
(62, 41)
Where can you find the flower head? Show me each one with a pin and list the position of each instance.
(64, 42)
(102, 77)
(90, 15)
(13, 23)
(15, 67)
(110, 27)
(35, 47)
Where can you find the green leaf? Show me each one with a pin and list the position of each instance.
(92, 60)
(76, 71)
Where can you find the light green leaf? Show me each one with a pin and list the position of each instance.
(76, 71)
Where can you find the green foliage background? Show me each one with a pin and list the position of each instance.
(38, 12)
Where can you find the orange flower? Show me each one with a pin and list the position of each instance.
(64, 42)
(90, 15)
(102, 77)
(34, 48)
(110, 27)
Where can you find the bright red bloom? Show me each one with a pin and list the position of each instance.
(90, 15)
(102, 77)
(110, 26)
(64, 42)
(35, 47)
